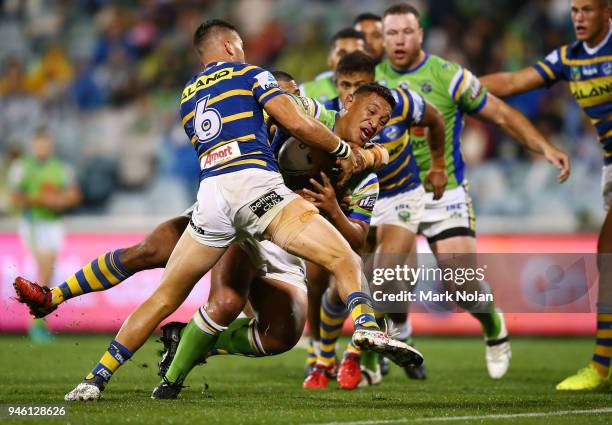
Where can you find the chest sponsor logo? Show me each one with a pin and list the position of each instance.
(265, 203)
(606, 68)
(220, 154)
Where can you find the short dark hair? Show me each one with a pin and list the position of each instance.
(208, 28)
(376, 88)
(367, 16)
(402, 9)
(347, 33)
(356, 62)
(282, 76)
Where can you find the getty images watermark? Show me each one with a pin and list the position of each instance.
(529, 283)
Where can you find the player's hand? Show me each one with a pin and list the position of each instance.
(360, 160)
(324, 197)
(348, 167)
(560, 160)
(436, 179)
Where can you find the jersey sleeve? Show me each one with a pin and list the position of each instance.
(363, 199)
(417, 107)
(264, 85)
(467, 91)
(551, 68)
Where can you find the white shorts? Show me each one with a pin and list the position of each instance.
(275, 263)
(234, 206)
(42, 235)
(452, 215)
(404, 209)
(606, 186)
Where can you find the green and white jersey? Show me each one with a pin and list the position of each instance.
(454, 91)
(322, 88)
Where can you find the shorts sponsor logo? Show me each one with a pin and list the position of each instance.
(404, 215)
(195, 228)
(220, 154)
(265, 203)
(453, 207)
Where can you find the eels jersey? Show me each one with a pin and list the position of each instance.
(222, 114)
(401, 174)
(589, 72)
(454, 91)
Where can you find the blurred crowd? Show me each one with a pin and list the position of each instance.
(105, 76)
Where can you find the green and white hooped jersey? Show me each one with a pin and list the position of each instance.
(454, 91)
(322, 88)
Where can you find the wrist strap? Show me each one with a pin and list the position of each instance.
(342, 151)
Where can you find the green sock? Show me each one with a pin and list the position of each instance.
(490, 322)
(197, 338)
(240, 338)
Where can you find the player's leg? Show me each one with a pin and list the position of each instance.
(106, 271)
(189, 261)
(318, 280)
(597, 373)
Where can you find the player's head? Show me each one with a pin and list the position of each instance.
(591, 19)
(366, 112)
(403, 34)
(286, 82)
(345, 41)
(371, 27)
(353, 71)
(42, 144)
(217, 41)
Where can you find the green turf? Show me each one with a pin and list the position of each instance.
(268, 391)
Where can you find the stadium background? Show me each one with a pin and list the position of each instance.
(105, 77)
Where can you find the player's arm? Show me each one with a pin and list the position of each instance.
(286, 113)
(436, 177)
(519, 128)
(354, 231)
(504, 84)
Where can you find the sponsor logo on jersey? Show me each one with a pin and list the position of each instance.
(266, 80)
(265, 203)
(476, 90)
(589, 70)
(391, 132)
(207, 81)
(220, 154)
(606, 68)
(367, 203)
(575, 73)
(426, 87)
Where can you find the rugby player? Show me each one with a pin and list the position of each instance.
(399, 183)
(587, 65)
(371, 27)
(448, 223)
(322, 88)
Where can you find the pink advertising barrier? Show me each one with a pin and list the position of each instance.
(106, 311)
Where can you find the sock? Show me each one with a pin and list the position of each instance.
(362, 313)
(603, 345)
(485, 313)
(114, 357)
(332, 319)
(102, 273)
(240, 338)
(311, 353)
(197, 338)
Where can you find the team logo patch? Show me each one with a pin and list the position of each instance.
(265, 203)
(426, 87)
(391, 132)
(403, 215)
(266, 80)
(575, 73)
(606, 68)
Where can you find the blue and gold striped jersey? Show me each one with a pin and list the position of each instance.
(222, 114)
(402, 172)
(589, 72)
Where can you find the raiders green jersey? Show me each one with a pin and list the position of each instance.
(454, 91)
(322, 88)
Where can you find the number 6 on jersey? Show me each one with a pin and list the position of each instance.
(207, 122)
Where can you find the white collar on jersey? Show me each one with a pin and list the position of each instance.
(593, 50)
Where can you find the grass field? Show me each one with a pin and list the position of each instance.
(268, 391)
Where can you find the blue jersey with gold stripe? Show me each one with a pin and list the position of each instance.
(589, 72)
(222, 113)
(401, 174)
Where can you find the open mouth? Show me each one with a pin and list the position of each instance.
(580, 29)
(365, 134)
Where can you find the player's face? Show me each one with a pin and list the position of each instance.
(589, 18)
(42, 147)
(347, 84)
(290, 87)
(341, 47)
(403, 37)
(373, 32)
(366, 115)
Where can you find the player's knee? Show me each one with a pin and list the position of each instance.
(344, 260)
(280, 340)
(145, 255)
(225, 309)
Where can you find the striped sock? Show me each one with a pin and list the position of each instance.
(603, 345)
(241, 338)
(332, 319)
(197, 339)
(362, 313)
(311, 353)
(114, 357)
(102, 273)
